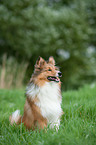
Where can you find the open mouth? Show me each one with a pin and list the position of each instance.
(51, 78)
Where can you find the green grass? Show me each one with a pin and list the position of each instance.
(78, 125)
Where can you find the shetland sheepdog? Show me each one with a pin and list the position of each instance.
(43, 97)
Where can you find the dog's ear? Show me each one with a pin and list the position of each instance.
(40, 63)
(51, 60)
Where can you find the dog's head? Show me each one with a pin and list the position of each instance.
(46, 71)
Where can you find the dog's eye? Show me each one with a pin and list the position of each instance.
(56, 68)
(49, 69)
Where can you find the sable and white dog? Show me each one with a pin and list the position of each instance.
(43, 102)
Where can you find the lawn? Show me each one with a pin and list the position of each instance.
(78, 124)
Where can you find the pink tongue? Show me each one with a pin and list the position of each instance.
(52, 78)
(55, 79)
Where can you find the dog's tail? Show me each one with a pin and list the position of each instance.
(15, 117)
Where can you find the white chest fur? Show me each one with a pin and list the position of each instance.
(49, 100)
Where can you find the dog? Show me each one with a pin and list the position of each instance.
(43, 98)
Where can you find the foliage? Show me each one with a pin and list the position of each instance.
(91, 10)
(78, 125)
(32, 28)
(11, 76)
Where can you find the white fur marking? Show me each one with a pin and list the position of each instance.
(15, 116)
(32, 90)
(49, 101)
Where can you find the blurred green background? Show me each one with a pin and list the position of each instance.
(64, 29)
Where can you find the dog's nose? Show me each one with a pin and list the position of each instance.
(60, 74)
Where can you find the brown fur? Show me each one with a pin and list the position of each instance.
(32, 117)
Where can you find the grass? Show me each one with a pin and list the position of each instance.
(78, 125)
